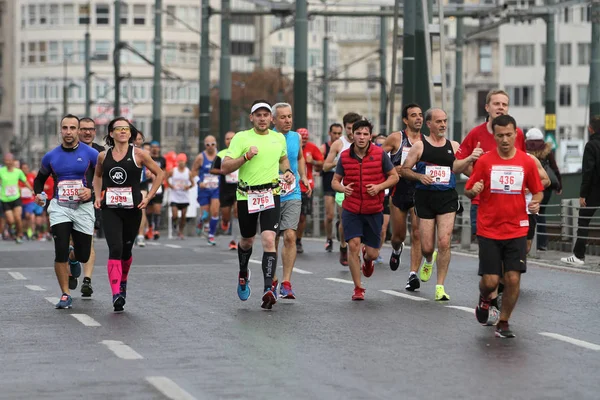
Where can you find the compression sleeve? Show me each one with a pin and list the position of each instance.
(40, 179)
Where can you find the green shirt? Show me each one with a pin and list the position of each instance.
(10, 184)
(263, 168)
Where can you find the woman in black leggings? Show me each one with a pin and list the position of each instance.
(117, 177)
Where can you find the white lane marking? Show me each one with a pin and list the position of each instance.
(173, 246)
(17, 275)
(298, 270)
(152, 244)
(169, 388)
(255, 261)
(53, 300)
(35, 288)
(576, 342)
(465, 309)
(121, 350)
(340, 280)
(85, 319)
(404, 295)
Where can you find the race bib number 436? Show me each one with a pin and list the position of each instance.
(506, 179)
(260, 201)
(440, 175)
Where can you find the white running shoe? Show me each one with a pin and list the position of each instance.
(572, 260)
(140, 241)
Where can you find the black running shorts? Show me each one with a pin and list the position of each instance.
(532, 225)
(386, 205)
(227, 195)
(269, 219)
(493, 254)
(307, 206)
(431, 203)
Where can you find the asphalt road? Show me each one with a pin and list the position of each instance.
(186, 335)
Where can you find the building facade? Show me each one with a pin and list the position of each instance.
(7, 94)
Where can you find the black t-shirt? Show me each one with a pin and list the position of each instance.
(223, 185)
(97, 147)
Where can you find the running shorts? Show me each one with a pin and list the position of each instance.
(33, 208)
(269, 219)
(494, 254)
(403, 197)
(82, 217)
(11, 205)
(365, 226)
(227, 195)
(206, 195)
(157, 199)
(386, 205)
(339, 198)
(307, 205)
(180, 206)
(290, 214)
(327, 189)
(431, 203)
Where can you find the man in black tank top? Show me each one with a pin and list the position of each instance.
(398, 144)
(335, 132)
(436, 200)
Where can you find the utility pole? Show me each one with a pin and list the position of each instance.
(204, 111)
(117, 60)
(225, 74)
(88, 76)
(456, 132)
(394, 63)
(325, 88)
(422, 79)
(156, 87)
(408, 53)
(595, 60)
(550, 76)
(382, 75)
(301, 64)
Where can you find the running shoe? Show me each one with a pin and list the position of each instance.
(573, 260)
(123, 289)
(379, 260)
(344, 256)
(268, 300)
(440, 293)
(299, 248)
(274, 287)
(367, 267)
(427, 268)
(65, 302)
(149, 234)
(73, 282)
(413, 283)
(232, 245)
(329, 246)
(86, 287)
(118, 302)
(486, 313)
(286, 292)
(19, 240)
(140, 241)
(225, 227)
(156, 235)
(395, 258)
(243, 288)
(359, 294)
(503, 330)
(211, 241)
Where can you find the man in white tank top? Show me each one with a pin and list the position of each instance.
(180, 181)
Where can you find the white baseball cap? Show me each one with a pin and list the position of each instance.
(534, 134)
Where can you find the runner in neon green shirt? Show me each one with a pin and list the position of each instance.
(10, 194)
(259, 154)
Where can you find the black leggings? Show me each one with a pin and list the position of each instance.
(120, 229)
(82, 243)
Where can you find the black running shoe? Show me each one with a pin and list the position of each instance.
(503, 330)
(86, 288)
(395, 258)
(118, 303)
(123, 289)
(482, 311)
(413, 283)
(73, 282)
(329, 246)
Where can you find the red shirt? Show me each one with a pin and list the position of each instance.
(49, 188)
(313, 150)
(487, 143)
(26, 194)
(502, 212)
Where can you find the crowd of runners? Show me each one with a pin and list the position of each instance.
(262, 183)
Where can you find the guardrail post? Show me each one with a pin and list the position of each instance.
(465, 225)
(533, 251)
(575, 213)
(565, 214)
(316, 219)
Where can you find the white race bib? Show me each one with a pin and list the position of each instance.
(159, 191)
(26, 193)
(232, 177)
(68, 191)
(260, 201)
(286, 188)
(211, 181)
(506, 179)
(440, 175)
(12, 190)
(180, 184)
(119, 197)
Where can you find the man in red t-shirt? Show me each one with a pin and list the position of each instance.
(314, 159)
(496, 105)
(501, 178)
(30, 209)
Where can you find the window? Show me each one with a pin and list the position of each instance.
(32, 52)
(244, 19)
(182, 53)
(485, 58)
(42, 46)
(170, 20)
(170, 53)
(79, 56)
(314, 57)
(43, 14)
(54, 14)
(565, 15)
(582, 95)
(84, 14)
(242, 48)
(102, 50)
(103, 14)
(139, 14)
(481, 98)
(521, 96)
(584, 53)
(182, 13)
(1, 55)
(194, 51)
(142, 48)
(32, 14)
(124, 13)
(543, 46)
(53, 57)
(371, 73)
(564, 95)
(23, 53)
(194, 18)
(519, 55)
(23, 16)
(278, 56)
(68, 14)
(565, 53)
(586, 13)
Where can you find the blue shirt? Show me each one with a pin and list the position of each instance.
(292, 139)
(70, 164)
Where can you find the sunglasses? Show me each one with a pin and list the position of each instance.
(121, 129)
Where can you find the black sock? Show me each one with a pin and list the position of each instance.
(244, 257)
(494, 302)
(156, 219)
(269, 263)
